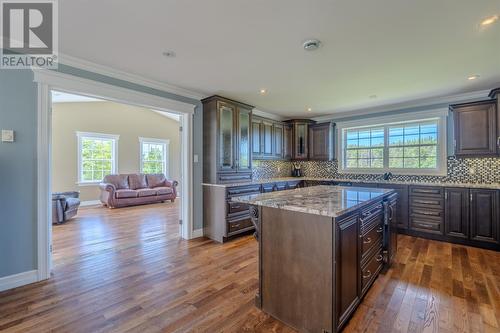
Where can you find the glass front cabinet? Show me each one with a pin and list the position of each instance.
(227, 151)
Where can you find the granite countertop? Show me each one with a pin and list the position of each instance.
(331, 201)
(495, 186)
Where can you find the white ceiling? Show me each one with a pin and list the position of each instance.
(399, 50)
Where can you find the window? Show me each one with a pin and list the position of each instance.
(405, 147)
(97, 156)
(154, 155)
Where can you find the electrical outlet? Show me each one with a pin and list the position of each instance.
(7, 135)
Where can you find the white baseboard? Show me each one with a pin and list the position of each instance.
(17, 280)
(90, 203)
(197, 233)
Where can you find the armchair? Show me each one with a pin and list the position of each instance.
(64, 206)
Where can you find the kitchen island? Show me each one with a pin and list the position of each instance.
(320, 249)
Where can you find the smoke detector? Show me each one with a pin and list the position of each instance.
(311, 44)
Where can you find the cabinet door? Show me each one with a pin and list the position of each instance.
(226, 149)
(256, 141)
(278, 141)
(287, 142)
(244, 162)
(347, 269)
(402, 204)
(475, 129)
(456, 218)
(484, 215)
(300, 141)
(321, 142)
(267, 139)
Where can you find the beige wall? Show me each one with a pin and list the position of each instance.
(110, 118)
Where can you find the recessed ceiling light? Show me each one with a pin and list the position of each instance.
(309, 109)
(263, 91)
(311, 44)
(473, 77)
(489, 20)
(169, 54)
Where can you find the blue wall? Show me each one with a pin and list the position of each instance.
(18, 173)
(18, 107)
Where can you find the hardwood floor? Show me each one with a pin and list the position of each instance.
(126, 270)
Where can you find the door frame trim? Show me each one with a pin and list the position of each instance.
(48, 80)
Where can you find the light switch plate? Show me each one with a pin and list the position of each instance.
(195, 158)
(7, 136)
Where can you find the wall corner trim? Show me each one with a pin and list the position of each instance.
(18, 280)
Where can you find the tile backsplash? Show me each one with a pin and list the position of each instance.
(460, 170)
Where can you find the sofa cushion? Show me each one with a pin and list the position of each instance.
(121, 194)
(137, 181)
(164, 190)
(157, 180)
(146, 192)
(120, 181)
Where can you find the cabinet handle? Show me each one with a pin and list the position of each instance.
(368, 274)
(498, 142)
(426, 202)
(379, 230)
(367, 241)
(379, 258)
(421, 212)
(470, 195)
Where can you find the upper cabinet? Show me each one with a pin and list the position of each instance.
(300, 135)
(321, 142)
(227, 140)
(268, 139)
(476, 128)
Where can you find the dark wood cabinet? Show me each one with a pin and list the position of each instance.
(426, 209)
(227, 140)
(347, 266)
(476, 128)
(278, 140)
(321, 141)
(402, 204)
(456, 212)
(300, 136)
(268, 139)
(287, 141)
(484, 218)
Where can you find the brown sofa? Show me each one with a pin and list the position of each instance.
(136, 189)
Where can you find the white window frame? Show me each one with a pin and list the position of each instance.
(165, 143)
(114, 151)
(439, 115)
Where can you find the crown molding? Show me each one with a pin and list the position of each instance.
(122, 75)
(268, 115)
(450, 99)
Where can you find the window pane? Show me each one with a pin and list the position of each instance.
(396, 131)
(377, 153)
(428, 162)
(352, 163)
(411, 152)
(428, 151)
(396, 152)
(351, 153)
(364, 142)
(411, 130)
(364, 134)
(395, 162)
(364, 163)
(428, 138)
(428, 128)
(96, 158)
(410, 163)
(364, 153)
(396, 140)
(377, 163)
(411, 139)
(377, 141)
(352, 143)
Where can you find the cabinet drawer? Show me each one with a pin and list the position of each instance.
(426, 213)
(426, 225)
(269, 187)
(234, 226)
(372, 238)
(426, 191)
(370, 270)
(370, 212)
(236, 207)
(292, 185)
(432, 202)
(281, 186)
(243, 190)
(234, 177)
